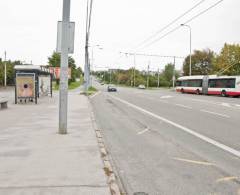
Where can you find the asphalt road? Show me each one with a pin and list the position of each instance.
(164, 142)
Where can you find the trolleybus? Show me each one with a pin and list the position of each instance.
(209, 85)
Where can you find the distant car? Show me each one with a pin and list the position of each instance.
(102, 83)
(141, 87)
(111, 88)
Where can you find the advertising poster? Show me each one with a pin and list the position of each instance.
(25, 85)
(56, 72)
(44, 85)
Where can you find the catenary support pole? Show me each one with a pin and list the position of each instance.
(5, 69)
(63, 93)
(134, 73)
(173, 77)
(148, 74)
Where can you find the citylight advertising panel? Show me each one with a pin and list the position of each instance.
(25, 84)
(44, 85)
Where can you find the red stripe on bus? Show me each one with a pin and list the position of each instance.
(233, 93)
(214, 92)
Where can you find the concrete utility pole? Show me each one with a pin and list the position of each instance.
(87, 60)
(158, 77)
(86, 68)
(5, 69)
(63, 93)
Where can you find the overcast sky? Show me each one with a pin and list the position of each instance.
(29, 29)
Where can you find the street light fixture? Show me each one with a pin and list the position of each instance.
(190, 58)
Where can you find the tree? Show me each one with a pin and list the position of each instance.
(228, 60)
(168, 72)
(202, 62)
(10, 71)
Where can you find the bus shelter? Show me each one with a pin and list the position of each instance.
(32, 82)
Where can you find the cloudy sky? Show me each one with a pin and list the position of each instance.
(29, 29)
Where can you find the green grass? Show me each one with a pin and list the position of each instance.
(72, 85)
(91, 91)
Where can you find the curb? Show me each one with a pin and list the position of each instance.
(108, 168)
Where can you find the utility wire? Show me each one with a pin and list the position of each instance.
(188, 21)
(172, 22)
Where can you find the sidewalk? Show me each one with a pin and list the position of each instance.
(35, 160)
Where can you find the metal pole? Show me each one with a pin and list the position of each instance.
(63, 93)
(148, 75)
(5, 69)
(134, 75)
(158, 78)
(132, 78)
(104, 76)
(173, 77)
(190, 60)
(110, 76)
(190, 57)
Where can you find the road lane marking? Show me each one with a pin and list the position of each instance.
(144, 131)
(194, 161)
(183, 106)
(225, 179)
(215, 113)
(166, 97)
(226, 104)
(94, 95)
(185, 129)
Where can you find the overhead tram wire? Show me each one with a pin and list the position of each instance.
(151, 55)
(172, 22)
(188, 21)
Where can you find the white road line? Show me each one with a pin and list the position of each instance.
(183, 106)
(215, 113)
(194, 161)
(166, 96)
(226, 104)
(185, 129)
(144, 131)
(226, 179)
(95, 94)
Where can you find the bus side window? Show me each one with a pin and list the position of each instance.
(212, 83)
(179, 83)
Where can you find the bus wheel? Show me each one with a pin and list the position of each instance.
(182, 90)
(224, 94)
(197, 92)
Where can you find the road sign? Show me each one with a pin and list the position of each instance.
(71, 37)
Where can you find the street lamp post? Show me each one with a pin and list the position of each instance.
(190, 58)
